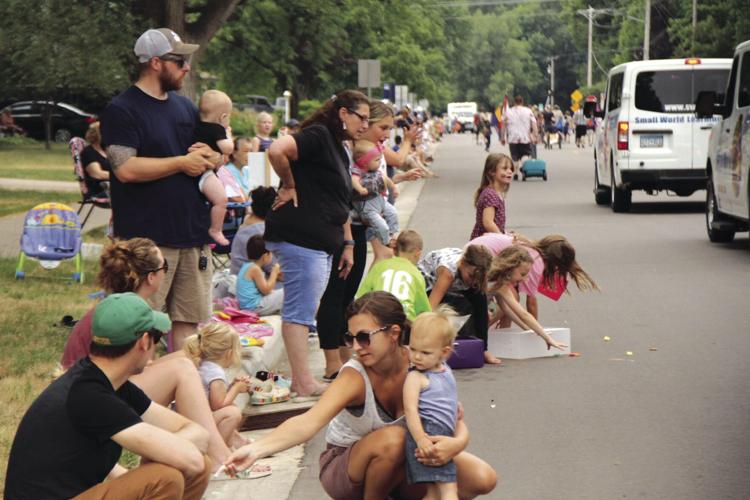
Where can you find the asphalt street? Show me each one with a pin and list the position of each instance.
(670, 421)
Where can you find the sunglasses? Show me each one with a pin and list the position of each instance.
(180, 61)
(155, 335)
(164, 266)
(362, 117)
(362, 338)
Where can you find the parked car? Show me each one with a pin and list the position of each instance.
(728, 163)
(649, 138)
(67, 121)
(257, 103)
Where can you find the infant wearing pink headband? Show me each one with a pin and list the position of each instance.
(370, 182)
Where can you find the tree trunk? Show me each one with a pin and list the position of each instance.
(211, 17)
(47, 118)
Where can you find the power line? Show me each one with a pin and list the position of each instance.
(486, 3)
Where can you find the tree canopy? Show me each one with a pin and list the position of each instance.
(443, 50)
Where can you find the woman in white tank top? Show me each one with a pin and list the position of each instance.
(364, 410)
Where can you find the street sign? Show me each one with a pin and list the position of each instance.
(389, 91)
(368, 73)
(576, 96)
(402, 95)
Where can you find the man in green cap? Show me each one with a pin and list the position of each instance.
(74, 432)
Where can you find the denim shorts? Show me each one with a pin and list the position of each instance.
(418, 473)
(305, 278)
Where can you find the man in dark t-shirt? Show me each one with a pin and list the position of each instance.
(72, 435)
(148, 131)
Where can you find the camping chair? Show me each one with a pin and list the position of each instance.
(76, 148)
(232, 221)
(51, 234)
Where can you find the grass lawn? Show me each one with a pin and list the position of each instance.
(13, 201)
(31, 342)
(23, 158)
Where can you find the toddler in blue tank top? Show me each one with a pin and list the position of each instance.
(430, 400)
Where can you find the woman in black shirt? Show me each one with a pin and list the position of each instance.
(310, 218)
(95, 164)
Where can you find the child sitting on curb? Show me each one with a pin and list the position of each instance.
(254, 291)
(399, 275)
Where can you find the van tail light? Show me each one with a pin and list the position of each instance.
(622, 136)
(692, 60)
(90, 119)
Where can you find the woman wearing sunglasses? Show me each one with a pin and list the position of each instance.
(364, 411)
(137, 265)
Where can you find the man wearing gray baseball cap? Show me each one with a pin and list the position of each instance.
(147, 131)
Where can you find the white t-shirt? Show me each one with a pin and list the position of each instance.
(519, 121)
(210, 371)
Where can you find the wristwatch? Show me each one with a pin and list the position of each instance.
(349, 243)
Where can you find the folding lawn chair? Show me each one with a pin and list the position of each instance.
(51, 234)
(77, 146)
(232, 222)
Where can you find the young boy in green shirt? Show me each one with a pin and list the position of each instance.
(399, 275)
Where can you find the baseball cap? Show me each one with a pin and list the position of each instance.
(292, 123)
(122, 317)
(158, 42)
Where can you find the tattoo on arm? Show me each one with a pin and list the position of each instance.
(117, 155)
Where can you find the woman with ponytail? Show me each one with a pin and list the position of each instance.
(137, 265)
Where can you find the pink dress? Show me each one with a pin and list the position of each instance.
(488, 198)
(496, 243)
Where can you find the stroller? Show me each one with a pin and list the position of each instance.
(77, 146)
(51, 234)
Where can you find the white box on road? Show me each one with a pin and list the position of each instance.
(512, 343)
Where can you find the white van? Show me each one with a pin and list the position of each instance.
(464, 113)
(728, 164)
(649, 137)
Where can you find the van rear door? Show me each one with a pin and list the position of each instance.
(706, 79)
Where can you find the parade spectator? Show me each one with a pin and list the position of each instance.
(399, 276)
(431, 401)
(8, 125)
(263, 128)
(137, 265)
(95, 164)
(519, 128)
(254, 223)
(509, 269)
(554, 261)
(93, 411)
(458, 278)
(340, 291)
(364, 412)
(580, 123)
(309, 221)
(238, 163)
(147, 131)
(255, 292)
(489, 199)
(215, 108)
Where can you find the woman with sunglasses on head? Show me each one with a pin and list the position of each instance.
(137, 265)
(309, 221)
(340, 291)
(364, 411)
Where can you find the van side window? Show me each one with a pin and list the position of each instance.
(729, 97)
(743, 94)
(614, 92)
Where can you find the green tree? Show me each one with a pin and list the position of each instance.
(50, 49)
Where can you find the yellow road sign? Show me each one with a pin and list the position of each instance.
(574, 107)
(576, 96)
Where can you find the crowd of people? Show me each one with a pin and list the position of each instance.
(301, 252)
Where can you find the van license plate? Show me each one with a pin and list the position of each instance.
(652, 141)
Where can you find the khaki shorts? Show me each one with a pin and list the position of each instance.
(185, 293)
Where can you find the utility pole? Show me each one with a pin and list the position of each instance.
(647, 31)
(695, 25)
(590, 15)
(551, 70)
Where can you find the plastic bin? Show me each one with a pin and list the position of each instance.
(509, 343)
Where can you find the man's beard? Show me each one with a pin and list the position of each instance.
(168, 82)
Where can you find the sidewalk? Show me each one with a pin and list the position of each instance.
(301, 459)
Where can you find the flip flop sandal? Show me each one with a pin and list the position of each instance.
(330, 378)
